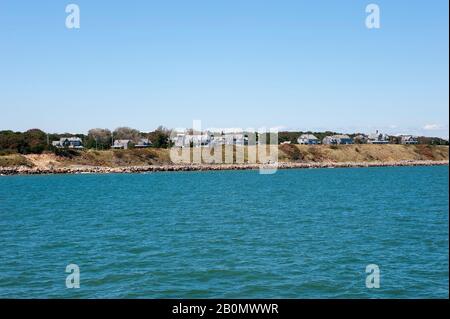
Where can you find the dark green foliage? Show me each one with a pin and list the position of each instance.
(288, 137)
(159, 137)
(10, 141)
(432, 141)
(33, 141)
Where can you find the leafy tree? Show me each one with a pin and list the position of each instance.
(160, 137)
(34, 141)
(10, 141)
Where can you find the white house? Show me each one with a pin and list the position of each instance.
(308, 139)
(239, 139)
(378, 138)
(408, 139)
(208, 139)
(121, 144)
(233, 139)
(178, 140)
(185, 140)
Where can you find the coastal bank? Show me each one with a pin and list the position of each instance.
(158, 160)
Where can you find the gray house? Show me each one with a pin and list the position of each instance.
(308, 139)
(408, 139)
(69, 142)
(361, 139)
(143, 143)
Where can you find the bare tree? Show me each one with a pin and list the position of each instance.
(126, 133)
(99, 138)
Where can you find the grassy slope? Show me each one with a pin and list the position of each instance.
(364, 153)
(132, 157)
(14, 160)
(287, 153)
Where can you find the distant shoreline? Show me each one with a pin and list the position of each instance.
(23, 170)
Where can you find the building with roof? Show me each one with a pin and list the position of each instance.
(378, 138)
(408, 139)
(143, 143)
(360, 139)
(308, 139)
(122, 144)
(337, 139)
(69, 142)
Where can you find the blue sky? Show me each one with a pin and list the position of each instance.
(297, 65)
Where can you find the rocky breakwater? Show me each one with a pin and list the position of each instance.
(24, 170)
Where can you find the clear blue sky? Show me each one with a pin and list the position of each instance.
(298, 65)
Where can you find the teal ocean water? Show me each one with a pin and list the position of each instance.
(233, 234)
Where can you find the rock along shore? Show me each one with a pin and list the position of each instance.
(23, 170)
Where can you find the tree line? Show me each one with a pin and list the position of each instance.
(36, 141)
